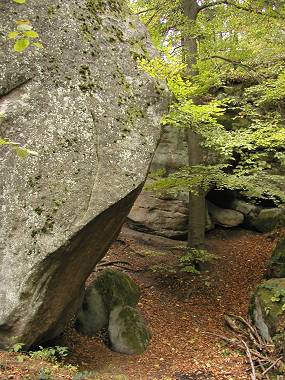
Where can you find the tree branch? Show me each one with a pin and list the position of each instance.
(146, 10)
(238, 6)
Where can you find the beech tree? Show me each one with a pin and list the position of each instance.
(227, 75)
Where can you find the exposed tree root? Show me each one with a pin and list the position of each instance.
(264, 357)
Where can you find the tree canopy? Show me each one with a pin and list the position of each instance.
(235, 97)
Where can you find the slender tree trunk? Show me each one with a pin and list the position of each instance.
(197, 206)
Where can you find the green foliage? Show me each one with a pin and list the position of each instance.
(193, 258)
(278, 295)
(23, 35)
(234, 97)
(189, 262)
(17, 347)
(51, 354)
(45, 374)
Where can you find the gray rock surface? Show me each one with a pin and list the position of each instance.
(225, 217)
(93, 117)
(128, 331)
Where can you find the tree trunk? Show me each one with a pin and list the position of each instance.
(197, 206)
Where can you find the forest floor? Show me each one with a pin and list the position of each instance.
(180, 308)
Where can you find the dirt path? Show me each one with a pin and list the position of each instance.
(181, 310)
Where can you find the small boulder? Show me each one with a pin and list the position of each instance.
(128, 331)
(111, 288)
(276, 265)
(269, 219)
(267, 310)
(225, 217)
(93, 315)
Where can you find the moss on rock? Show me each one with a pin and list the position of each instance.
(267, 310)
(116, 289)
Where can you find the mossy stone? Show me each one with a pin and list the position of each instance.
(269, 219)
(93, 315)
(267, 310)
(276, 265)
(128, 331)
(116, 288)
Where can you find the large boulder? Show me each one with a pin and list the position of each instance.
(93, 117)
(128, 331)
(267, 310)
(165, 216)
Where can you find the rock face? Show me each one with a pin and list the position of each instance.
(129, 333)
(276, 264)
(267, 310)
(93, 118)
(162, 215)
(165, 217)
(110, 289)
(269, 219)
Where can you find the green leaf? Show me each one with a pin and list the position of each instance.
(4, 142)
(21, 152)
(38, 45)
(12, 35)
(21, 45)
(31, 34)
(19, 1)
(21, 22)
(24, 27)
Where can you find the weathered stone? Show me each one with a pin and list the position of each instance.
(267, 310)
(225, 217)
(93, 117)
(93, 315)
(276, 264)
(128, 331)
(269, 219)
